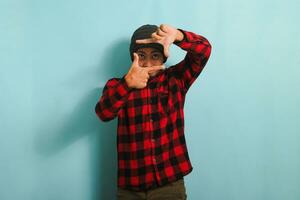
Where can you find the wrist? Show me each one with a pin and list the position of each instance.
(179, 36)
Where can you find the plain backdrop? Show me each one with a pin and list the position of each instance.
(241, 115)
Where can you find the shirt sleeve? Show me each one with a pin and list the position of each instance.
(114, 96)
(198, 51)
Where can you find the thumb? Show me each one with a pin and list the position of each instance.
(135, 59)
(166, 50)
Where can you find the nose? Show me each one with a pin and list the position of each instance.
(147, 63)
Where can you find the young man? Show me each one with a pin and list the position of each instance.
(149, 102)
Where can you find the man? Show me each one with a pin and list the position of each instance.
(149, 102)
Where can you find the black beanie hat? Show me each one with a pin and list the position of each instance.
(144, 32)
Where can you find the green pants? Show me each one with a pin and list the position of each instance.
(172, 191)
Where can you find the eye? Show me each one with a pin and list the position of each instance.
(141, 56)
(156, 56)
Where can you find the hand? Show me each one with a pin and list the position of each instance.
(137, 76)
(164, 35)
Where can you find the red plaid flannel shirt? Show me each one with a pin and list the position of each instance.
(151, 144)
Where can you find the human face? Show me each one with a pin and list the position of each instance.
(149, 57)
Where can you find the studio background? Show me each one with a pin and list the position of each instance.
(241, 115)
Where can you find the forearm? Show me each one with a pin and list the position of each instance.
(193, 43)
(198, 51)
(114, 96)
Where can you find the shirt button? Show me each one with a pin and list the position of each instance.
(152, 140)
(151, 120)
(154, 160)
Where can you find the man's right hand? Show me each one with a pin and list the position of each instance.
(137, 76)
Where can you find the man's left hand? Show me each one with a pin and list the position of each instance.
(164, 35)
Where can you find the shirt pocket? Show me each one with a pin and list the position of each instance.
(163, 100)
(167, 101)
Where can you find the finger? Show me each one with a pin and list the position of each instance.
(147, 76)
(145, 41)
(156, 37)
(144, 74)
(160, 32)
(163, 27)
(155, 68)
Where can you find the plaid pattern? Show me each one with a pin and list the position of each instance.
(150, 137)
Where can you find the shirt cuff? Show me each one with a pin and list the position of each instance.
(184, 37)
(124, 85)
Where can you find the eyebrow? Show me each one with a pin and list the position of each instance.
(154, 51)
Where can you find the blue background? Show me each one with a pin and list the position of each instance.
(242, 113)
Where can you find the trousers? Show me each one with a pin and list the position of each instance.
(172, 191)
